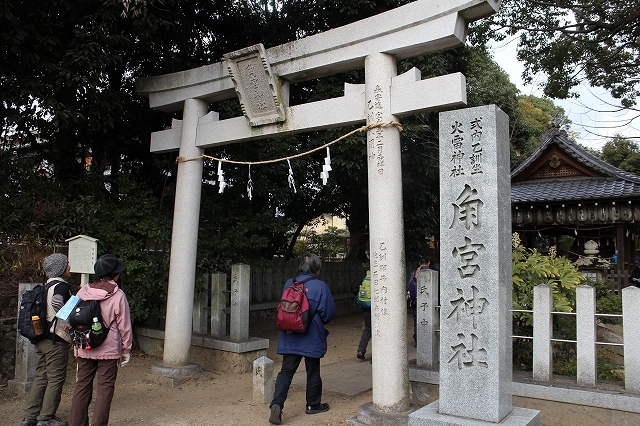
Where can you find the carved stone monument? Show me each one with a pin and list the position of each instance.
(475, 274)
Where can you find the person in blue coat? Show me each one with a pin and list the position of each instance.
(312, 344)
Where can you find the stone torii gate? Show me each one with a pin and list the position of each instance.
(261, 79)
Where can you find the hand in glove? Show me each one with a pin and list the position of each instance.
(125, 359)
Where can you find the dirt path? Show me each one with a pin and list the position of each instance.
(226, 399)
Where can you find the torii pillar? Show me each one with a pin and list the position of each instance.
(184, 244)
(390, 372)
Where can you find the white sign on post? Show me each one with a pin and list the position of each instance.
(83, 253)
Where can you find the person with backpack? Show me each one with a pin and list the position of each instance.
(311, 344)
(361, 288)
(103, 360)
(52, 351)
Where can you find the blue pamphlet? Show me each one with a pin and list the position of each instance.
(65, 311)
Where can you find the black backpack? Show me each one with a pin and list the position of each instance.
(86, 326)
(34, 303)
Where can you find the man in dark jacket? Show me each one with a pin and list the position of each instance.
(312, 344)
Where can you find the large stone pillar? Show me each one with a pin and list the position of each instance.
(390, 372)
(475, 274)
(184, 241)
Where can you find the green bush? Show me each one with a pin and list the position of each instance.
(607, 302)
(529, 269)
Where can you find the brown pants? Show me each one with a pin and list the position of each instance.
(107, 371)
(51, 372)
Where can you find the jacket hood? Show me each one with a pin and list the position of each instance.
(98, 290)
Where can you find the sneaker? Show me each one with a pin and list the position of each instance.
(360, 355)
(315, 409)
(52, 422)
(276, 415)
(29, 422)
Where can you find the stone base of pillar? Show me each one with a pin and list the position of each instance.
(19, 388)
(173, 376)
(429, 416)
(419, 393)
(368, 416)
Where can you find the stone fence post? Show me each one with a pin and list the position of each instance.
(200, 302)
(25, 371)
(240, 288)
(218, 304)
(428, 319)
(586, 335)
(542, 332)
(631, 326)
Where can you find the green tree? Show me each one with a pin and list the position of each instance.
(622, 153)
(574, 41)
(326, 245)
(75, 130)
(533, 117)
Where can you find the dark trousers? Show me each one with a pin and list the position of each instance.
(366, 333)
(107, 371)
(290, 364)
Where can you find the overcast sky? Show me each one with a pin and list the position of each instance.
(591, 116)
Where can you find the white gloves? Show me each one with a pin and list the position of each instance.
(125, 359)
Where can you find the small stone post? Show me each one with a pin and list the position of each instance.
(218, 304)
(263, 380)
(586, 335)
(428, 319)
(631, 328)
(25, 370)
(542, 332)
(240, 288)
(200, 301)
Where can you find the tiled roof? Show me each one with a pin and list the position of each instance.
(573, 189)
(615, 183)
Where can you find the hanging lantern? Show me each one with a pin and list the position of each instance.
(571, 214)
(560, 215)
(615, 212)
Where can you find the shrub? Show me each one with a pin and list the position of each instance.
(529, 269)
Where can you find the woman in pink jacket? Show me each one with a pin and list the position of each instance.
(104, 359)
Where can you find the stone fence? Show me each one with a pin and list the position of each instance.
(540, 385)
(225, 307)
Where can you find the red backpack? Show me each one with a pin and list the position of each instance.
(293, 309)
